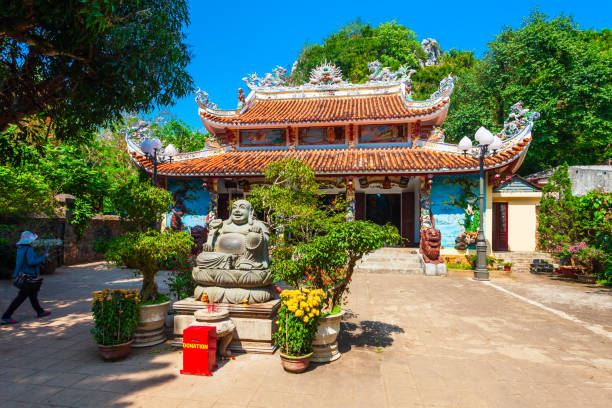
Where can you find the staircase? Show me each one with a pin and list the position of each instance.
(391, 260)
(524, 262)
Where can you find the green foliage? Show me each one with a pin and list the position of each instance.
(146, 251)
(577, 228)
(139, 204)
(557, 209)
(427, 80)
(83, 63)
(180, 281)
(309, 239)
(556, 69)
(23, 193)
(355, 45)
(183, 136)
(298, 319)
(115, 314)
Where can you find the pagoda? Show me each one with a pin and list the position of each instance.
(370, 142)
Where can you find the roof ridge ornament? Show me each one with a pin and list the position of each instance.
(518, 118)
(326, 74)
(446, 84)
(201, 97)
(276, 78)
(384, 74)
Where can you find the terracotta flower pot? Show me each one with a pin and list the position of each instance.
(324, 345)
(150, 330)
(116, 351)
(297, 364)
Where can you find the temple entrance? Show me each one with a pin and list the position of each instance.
(384, 208)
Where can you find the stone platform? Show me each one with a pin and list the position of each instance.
(255, 323)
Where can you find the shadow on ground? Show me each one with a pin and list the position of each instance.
(366, 333)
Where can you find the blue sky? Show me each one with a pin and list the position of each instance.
(230, 39)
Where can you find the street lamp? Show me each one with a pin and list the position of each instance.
(151, 148)
(487, 143)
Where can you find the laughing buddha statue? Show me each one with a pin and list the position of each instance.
(233, 266)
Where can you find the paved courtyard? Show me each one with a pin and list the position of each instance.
(408, 341)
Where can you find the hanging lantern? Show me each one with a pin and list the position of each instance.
(387, 183)
(404, 182)
(363, 182)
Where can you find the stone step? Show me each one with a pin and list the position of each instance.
(384, 269)
(378, 258)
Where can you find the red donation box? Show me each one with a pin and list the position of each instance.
(199, 350)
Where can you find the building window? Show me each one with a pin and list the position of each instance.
(329, 135)
(381, 134)
(262, 137)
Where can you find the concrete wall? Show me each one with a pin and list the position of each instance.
(587, 178)
(522, 219)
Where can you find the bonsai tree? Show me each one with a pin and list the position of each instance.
(313, 245)
(139, 204)
(328, 260)
(147, 251)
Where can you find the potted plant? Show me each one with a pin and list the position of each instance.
(507, 266)
(115, 314)
(52, 245)
(327, 262)
(147, 251)
(298, 318)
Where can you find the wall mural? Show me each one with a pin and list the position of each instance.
(321, 135)
(445, 192)
(191, 199)
(262, 137)
(380, 134)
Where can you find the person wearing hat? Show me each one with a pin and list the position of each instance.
(27, 263)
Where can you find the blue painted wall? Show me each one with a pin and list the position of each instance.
(195, 199)
(449, 219)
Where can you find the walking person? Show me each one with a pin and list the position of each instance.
(27, 264)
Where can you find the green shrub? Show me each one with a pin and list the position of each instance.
(115, 314)
(180, 281)
(139, 204)
(146, 251)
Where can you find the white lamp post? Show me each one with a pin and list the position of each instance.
(151, 147)
(486, 142)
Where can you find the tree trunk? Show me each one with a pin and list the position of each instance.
(337, 297)
(148, 292)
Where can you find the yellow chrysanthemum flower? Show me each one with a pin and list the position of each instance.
(305, 319)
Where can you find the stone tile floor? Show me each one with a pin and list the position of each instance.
(408, 341)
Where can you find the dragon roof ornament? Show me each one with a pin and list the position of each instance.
(446, 84)
(384, 74)
(276, 78)
(518, 118)
(201, 97)
(326, 74)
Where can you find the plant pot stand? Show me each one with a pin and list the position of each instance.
(220, 320)
(325, 344)
(151, 331)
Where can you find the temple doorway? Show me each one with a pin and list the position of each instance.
(384, 208)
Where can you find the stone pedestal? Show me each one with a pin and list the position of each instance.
(224, 326)
(254, 323)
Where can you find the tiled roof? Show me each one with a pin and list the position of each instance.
(335, 109)
(356, 161)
